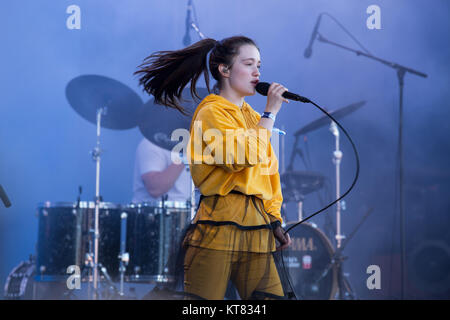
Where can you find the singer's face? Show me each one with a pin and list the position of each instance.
(245, 70)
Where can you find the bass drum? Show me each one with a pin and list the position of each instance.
(306, 259)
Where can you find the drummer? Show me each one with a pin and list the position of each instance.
(156, 175)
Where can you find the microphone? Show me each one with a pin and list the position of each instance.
(308, 51)
(263, 87)
(187, 37)
(4, 197)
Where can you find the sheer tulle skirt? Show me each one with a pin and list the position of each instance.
(230, 240)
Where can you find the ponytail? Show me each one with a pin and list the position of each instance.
(165, 74)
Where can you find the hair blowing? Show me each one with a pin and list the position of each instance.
(164, 74)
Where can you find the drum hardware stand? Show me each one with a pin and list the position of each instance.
(89, 262)
(89, 265)
(110, 282)
(338, 258)
(337, 156)
(345, 289)
(123, 256)
(79, 215)
(162, 235)
(96, 157)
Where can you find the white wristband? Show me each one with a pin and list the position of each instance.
(269, 115)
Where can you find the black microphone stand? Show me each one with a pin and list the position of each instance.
(4, 197)
(190, 23)
(401, 70)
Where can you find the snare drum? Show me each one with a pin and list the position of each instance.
(66, 237)
(306, 259)
(154, 231)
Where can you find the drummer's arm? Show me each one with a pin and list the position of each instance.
(158, 183)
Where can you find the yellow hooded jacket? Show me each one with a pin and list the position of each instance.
(221, 162)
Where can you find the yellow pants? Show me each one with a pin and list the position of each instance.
(207, 272)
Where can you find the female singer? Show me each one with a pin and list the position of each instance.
(232, 236)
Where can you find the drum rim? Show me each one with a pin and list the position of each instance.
(159, 204)
(331, 251)
(83, 205)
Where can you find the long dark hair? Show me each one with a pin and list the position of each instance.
(164, 74)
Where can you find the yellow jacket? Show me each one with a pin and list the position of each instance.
(253, 172)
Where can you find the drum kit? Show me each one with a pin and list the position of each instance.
(114, 245)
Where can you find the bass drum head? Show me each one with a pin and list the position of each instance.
(306, 259)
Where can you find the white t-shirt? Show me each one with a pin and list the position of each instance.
(150, 157)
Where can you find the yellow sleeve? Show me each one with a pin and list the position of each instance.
(225, 143)
(273, 206)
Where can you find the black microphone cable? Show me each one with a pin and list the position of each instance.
(356, 173)
(332, 203)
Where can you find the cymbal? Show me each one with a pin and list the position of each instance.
(324, 120)
(87, 93)
(297, 184)
(158, 122)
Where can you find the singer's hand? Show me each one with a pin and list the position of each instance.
(275, 98)
(283, 238)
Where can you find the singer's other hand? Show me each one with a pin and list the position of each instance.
(275, 98)
(283, 238)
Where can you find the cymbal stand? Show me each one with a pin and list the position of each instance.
(337, 157)
(338, 258)
(96, 157)
(123, 256)
(345, 290)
